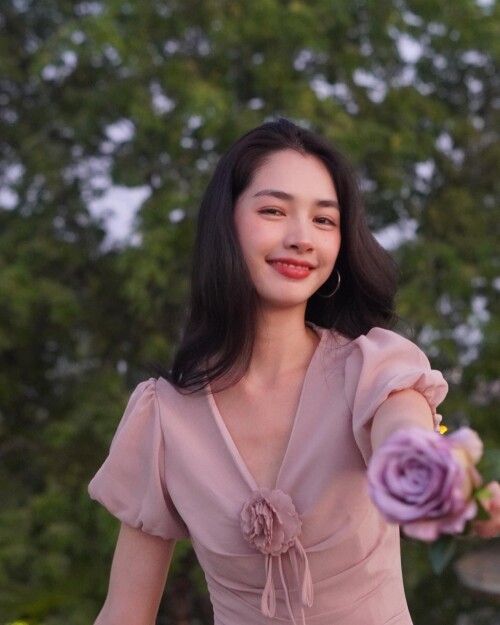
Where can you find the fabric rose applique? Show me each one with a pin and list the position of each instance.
(270, 522)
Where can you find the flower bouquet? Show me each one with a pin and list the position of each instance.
(434, 486)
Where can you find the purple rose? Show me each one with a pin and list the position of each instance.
(424, 481)
(269, 521)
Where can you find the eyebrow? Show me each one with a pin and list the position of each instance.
(287, 197)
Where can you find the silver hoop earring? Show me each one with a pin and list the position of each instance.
(334, 290)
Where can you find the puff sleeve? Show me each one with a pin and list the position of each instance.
(131, 482)
(382, 363)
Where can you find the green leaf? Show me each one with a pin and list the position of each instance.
(441, 552)
(481, 494)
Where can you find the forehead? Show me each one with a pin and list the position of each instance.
(293, 172)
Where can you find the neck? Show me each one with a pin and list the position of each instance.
(284, 344)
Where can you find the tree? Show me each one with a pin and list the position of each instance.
(147, 95)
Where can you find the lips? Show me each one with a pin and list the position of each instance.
(291, 268)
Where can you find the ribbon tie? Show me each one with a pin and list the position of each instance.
(304, 582)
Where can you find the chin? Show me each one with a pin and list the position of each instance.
(284, 304)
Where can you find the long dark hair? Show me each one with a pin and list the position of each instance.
(220, 329)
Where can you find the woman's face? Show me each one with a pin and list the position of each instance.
(288, 226)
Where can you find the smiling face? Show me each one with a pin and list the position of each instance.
(288, 226)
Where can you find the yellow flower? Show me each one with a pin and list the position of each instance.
(442, 429)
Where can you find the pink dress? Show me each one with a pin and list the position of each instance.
(174, 471)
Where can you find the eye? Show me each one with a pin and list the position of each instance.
(325, 221)
(271, 210)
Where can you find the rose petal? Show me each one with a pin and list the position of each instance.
(469, 441)
(415, 479)
(421, 530)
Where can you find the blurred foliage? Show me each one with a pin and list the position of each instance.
(146, 95)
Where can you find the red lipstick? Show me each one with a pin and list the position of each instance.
(291, 267)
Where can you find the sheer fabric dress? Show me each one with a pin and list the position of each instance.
(330, 559)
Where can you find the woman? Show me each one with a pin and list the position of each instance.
(286, 380)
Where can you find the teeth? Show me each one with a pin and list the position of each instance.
(292, 265)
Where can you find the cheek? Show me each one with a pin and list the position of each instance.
(249, 248)
(254, 239)
(242, 227)
(239, 229)
(331, 249)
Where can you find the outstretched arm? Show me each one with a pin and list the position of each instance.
(138, 574)
(407, 408)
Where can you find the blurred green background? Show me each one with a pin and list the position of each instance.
(110, 105)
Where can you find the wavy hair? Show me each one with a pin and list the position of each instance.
(221, 325)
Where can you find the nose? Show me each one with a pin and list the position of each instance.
(298, 237)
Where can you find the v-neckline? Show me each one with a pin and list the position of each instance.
(228, 439)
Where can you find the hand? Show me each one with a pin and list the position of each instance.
(491, 527)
